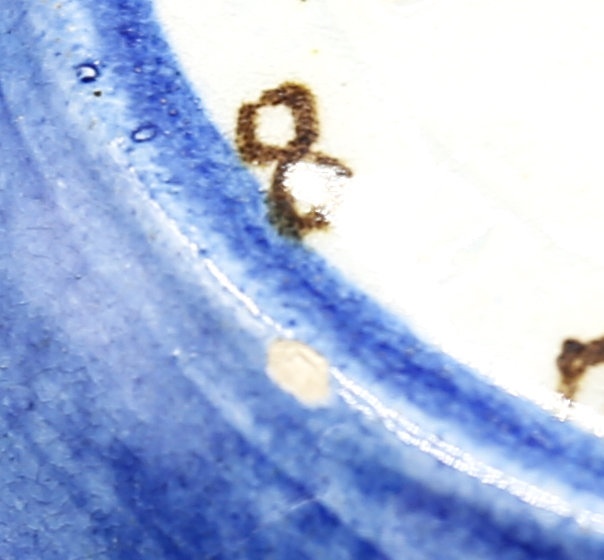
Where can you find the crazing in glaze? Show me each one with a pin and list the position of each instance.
(141, 292)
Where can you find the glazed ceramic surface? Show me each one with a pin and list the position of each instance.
(262, 264)
(473, 134)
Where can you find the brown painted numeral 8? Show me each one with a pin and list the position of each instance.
(282, 209)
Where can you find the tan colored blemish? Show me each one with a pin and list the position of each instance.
(299, 370)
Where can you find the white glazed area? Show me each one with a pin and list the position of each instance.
(475, 131)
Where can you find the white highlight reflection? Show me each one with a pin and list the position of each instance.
(315, 185)
(411, 434)
(247, 301)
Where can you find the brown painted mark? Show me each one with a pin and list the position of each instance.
(573, 362)
(282, 210)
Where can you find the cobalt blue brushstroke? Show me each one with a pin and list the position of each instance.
(136, 418)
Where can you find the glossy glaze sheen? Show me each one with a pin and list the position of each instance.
(141, 286)
(473, 131)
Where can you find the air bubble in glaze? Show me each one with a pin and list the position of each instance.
(87, 73)
(144, 133)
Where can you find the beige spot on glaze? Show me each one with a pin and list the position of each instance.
(299, 370)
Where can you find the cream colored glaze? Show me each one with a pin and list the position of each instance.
(475, 131)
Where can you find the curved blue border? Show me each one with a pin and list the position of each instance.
(137, 420)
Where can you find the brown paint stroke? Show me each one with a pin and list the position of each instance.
(282, 211)
(573, 361)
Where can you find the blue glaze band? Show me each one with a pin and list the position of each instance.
(140, 286)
